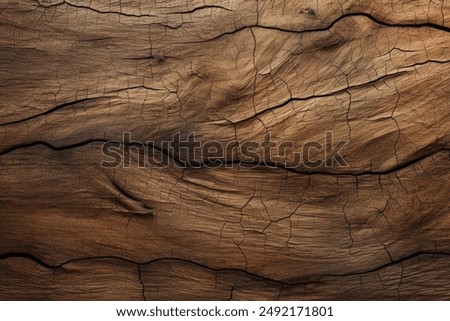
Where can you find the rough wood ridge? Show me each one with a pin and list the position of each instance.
(77, 73)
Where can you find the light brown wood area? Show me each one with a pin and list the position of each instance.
(76, 74)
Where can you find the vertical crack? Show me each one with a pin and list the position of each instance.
(142, 283)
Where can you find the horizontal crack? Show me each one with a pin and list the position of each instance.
(366, 15)
(52, 110)
(70, 4)
(200, 8)
(330, 94)
(212, 164)
(158, 260)
(346, 15)
(330, 173)
(80, 101)
(92, 9)
(331, 25)
(37, 260)
(341, 91)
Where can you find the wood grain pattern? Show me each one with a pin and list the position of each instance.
(76, 74)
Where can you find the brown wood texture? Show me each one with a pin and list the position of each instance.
(77, 73)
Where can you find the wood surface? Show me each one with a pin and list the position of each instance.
(76, 74)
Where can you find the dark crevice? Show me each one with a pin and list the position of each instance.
(26, 256)
(128, 14)
(154, 261)
(146, 208)
(341, 91)
(93, 9)
(235, 270)
(142, 283)
(369, 16)
(80, 101)
(50, 146)
(329, 26)
(52, 110)
(199, 8)
(178, 163)
(441, 62)
(256, 115)
(331, 173)
(332, 24)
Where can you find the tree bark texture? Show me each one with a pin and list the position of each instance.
(78, 73)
